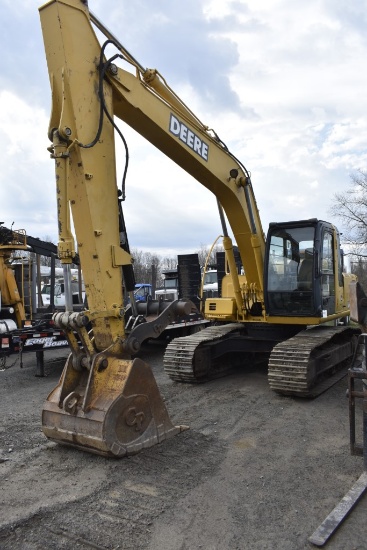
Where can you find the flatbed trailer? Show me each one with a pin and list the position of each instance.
(31, 339)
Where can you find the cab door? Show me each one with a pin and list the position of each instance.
(327, 272)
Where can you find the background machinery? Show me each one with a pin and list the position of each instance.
(107, 402)
(182, 283)
(25, 322)
(12, 306)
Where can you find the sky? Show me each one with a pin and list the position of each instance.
(282, 82)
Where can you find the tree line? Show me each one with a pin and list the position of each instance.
(149, 267)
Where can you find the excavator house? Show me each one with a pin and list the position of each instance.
(291, 305)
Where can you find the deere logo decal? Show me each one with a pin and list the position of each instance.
(179, 129)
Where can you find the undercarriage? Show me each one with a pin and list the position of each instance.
(301, 362)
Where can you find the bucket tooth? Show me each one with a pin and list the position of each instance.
(115, 411)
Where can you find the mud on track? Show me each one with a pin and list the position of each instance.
(255, 471)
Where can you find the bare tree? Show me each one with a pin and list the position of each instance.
(169, 262)
(351, 208)
(46, 260)
(147, 266)
(204, 251)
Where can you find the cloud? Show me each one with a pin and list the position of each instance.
(182, 43)
(280, 81)
(27, 180)
(345, 145)
(23, 63)
(165, 207)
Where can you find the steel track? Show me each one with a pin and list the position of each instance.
(305, 365)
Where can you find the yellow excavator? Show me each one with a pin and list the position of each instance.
(107, 402)
(12, 310)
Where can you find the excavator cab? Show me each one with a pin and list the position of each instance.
(303, 269)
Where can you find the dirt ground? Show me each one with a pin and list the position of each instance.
(255, 471)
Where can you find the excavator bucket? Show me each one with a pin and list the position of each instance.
(114, 409)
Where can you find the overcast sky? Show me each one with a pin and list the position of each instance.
(282, 82)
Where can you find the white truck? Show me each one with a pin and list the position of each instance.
(59, 291)
(169, 290)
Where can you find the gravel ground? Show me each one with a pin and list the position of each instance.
(255, 471)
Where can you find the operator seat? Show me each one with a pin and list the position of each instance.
(305, 274)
